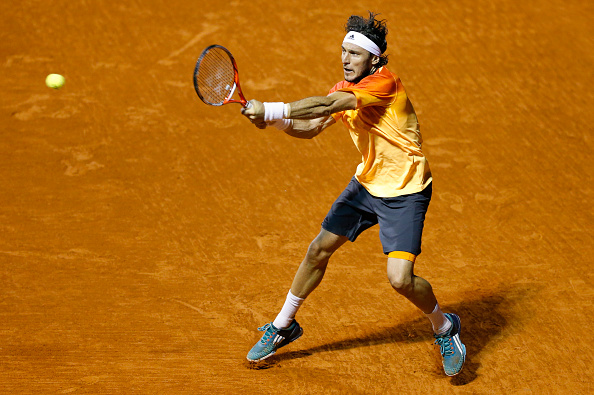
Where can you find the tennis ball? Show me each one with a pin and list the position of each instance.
(55, 81)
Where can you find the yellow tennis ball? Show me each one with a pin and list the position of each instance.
(55, 81)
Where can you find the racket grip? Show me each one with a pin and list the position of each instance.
(247, 105)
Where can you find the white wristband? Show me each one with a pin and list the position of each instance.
(281, 124)
(274, 111)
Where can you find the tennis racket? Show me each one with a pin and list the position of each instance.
(216, 78)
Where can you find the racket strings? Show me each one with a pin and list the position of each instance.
(215, 76)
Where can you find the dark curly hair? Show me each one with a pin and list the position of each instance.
(372, 28)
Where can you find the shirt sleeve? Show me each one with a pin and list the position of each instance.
(338, 86)
(375, 90)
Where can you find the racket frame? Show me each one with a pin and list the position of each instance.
(236, 86)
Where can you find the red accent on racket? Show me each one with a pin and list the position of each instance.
(216, 78)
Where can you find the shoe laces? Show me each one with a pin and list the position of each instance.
(268, 334)
(446, 345)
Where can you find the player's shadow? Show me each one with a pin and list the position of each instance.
(483, 320)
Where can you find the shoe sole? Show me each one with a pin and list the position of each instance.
(274, 352)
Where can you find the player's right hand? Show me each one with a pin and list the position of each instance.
(254, 111)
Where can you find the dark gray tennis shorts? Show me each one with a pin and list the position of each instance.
(400, 218)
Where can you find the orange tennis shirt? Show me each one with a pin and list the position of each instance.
(385, 129)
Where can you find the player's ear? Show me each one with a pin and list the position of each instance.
(375, 60)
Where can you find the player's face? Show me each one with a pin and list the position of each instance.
(356, 62)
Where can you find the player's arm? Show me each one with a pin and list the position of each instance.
(308, 108)
(322, 106)
(308, 128)
(300, 128)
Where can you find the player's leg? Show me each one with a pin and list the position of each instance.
(417, 290)
(414, 288)
(446, 327)
(349, 215)
(401, 222)
(285, 329)
(309, 275)
(347, 218)
(312, 268)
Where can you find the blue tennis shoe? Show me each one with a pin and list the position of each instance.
(451, 348)
(273, 339)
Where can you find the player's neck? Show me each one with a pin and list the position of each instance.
(370, 72)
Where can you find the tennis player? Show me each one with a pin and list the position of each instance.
(391, 187)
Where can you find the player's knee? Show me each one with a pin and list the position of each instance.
(400, 274)
(317, 254)
(401, 282)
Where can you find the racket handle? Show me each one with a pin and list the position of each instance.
(247, 105)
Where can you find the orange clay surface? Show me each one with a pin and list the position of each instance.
(144, 236)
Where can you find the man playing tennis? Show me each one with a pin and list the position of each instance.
(392, 185)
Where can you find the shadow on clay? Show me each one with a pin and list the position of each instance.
(484, 318)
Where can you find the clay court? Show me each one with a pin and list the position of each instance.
(144, 236)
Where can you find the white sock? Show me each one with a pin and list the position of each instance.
(287, 313)
(439, 321)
